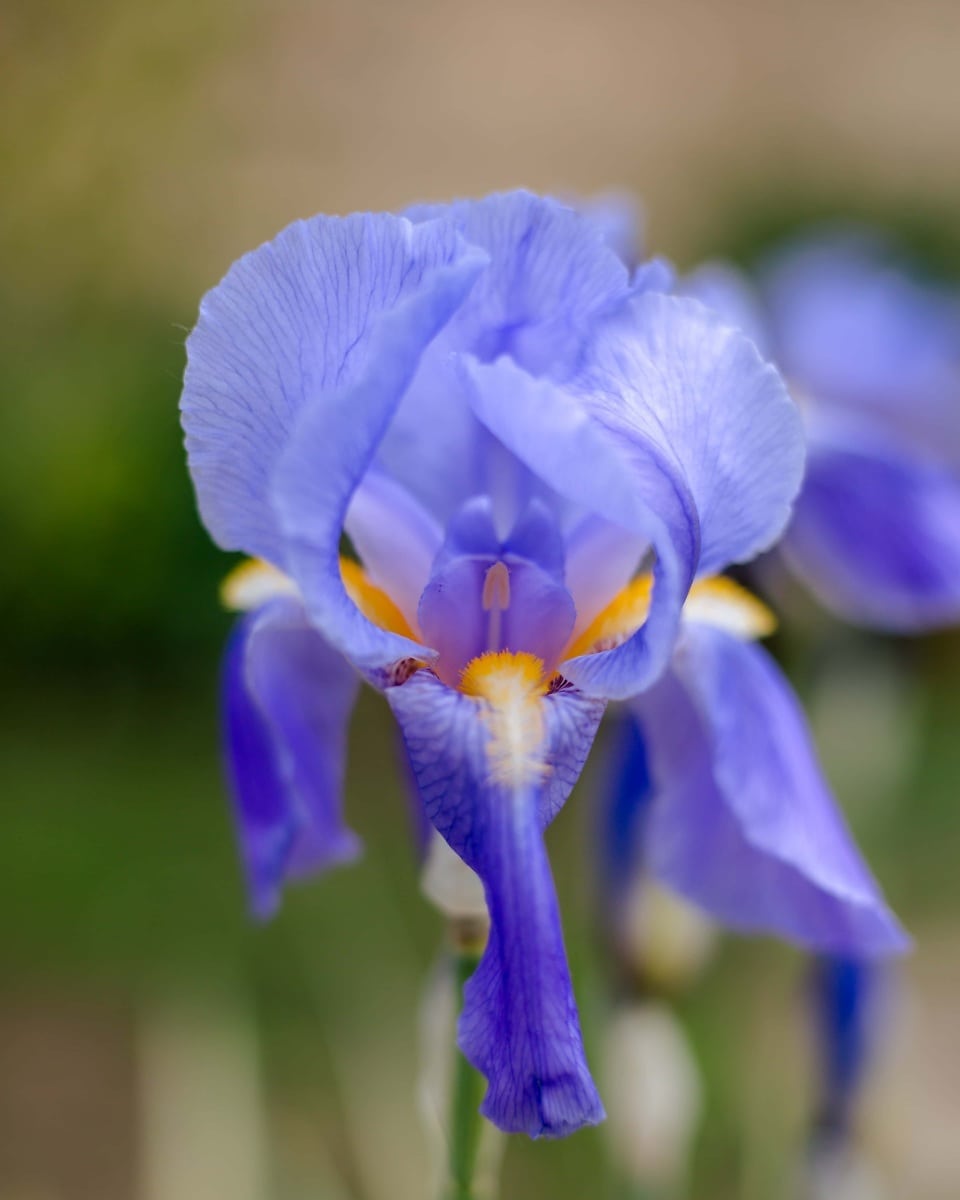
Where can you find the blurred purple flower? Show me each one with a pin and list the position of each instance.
(847, 999)
(872, 355)
(506, 426)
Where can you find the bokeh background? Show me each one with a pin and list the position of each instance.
(153, 1044)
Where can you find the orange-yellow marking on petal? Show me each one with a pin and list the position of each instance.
(722, 602)
(716, 601)
(253, 583)
(372, 601)
(623, 616)
(511, 687)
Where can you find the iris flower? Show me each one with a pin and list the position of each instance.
(536, 458)
(872, 354)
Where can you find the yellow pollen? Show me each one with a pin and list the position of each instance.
(372, 601)
(510, 688)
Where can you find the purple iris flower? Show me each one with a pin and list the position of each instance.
(872, 354)
(508, 426)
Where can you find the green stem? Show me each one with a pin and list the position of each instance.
(466, 1124)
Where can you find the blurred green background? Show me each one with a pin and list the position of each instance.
(154, 1045)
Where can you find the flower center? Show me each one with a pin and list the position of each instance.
(510, 687)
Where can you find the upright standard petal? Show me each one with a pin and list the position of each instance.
(287, 699)
(876, 532)
(743, 823)
(396, 538)
(316, 334)
(552, 276)
(490, 781)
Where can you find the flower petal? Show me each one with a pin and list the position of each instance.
(316, 333)
(743, 823)
(853, 327)
(876, 532)
(519, 1024)
(332, 448)
(624, 804)
(551, 278)
(552, 275)
(550, 428)
(602, 558)
(727, 292)
(675, 376)
(486, 595)
(847, 1002)
(287, 699)
(396, 538)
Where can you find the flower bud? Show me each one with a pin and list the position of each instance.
(652, 1094)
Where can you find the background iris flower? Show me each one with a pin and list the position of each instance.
(872, 355)
(508, 427)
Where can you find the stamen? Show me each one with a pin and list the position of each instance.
(495, 600)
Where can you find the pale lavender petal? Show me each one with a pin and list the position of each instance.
(552, 276)
(333, 314)
(519, 1025)
(287, 700)
(876, 532)
(619, 219)
(396, 539)
(602, 558)
(337, 435)
(446, 468)
(743, 823)
(853, 327)
(654, 275)
(676, 377)
(728, 292)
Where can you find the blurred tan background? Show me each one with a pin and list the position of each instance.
(153, 1046)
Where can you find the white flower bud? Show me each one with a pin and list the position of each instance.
(652, 1093)
(669, 939)
(438, 1063)
(841, 1172)
(450, 885)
